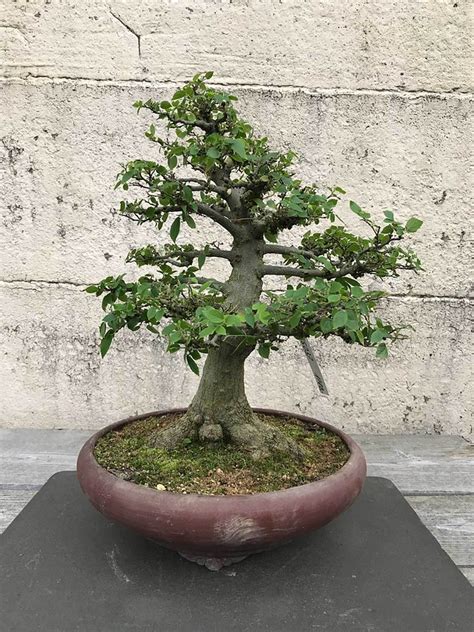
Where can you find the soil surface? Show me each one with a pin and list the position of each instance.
(218, 468)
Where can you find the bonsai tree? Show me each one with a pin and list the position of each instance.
(216, 167)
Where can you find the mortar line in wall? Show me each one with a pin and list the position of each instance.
(335, 91)
(436, 297)
(393, 295)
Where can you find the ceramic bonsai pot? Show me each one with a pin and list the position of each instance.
(219, 530)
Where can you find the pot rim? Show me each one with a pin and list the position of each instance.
(356, 458)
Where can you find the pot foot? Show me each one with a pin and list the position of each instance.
(212, 563)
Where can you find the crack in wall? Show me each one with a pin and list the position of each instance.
(44, 282)
(30, 77)
(130, 30)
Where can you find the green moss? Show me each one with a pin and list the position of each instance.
(206, 468)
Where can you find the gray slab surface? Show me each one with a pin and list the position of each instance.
(375, 568)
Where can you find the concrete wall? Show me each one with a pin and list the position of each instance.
(375, 95)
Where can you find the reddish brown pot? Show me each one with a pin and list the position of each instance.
(219, 530)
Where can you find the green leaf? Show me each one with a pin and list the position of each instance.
(249, 318)
(175, 228)
(335, 287)
(213, 315)
(153, 313)
(263, 314)
(360, 337)
(339, 319)
(187, 194)
(334, 298)
(264, 350)
(355, 208)
(389, 215)
(326, 263)
(233, 320)
(151, 132)
(172, 161)
(353, 325)
(413, 225)
(192, 365)
(207, 331)
(108, 300)
(174, 337)
(382, 351)
(326, 325)
(357, 291)
(295, 320)
(377, 336)
(201, 259)
(271, 238)
(106, 342)
(213, 153)
(91, 289)
(238, 146)
(189, 221)
(134, 323)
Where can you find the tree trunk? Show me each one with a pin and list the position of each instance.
(220, 410)
(220, 401)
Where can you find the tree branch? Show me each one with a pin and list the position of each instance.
(276, 249)
(204, 125)
(212, 252)
(193, 254)
(289, 271)
(218, 217)
(220, 285)
(205, 184)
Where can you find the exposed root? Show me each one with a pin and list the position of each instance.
(262, 439)
(255, 436)
(173, 435)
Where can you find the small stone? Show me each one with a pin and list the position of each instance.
(160, 487)
(219, 471)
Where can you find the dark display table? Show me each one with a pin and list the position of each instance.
(376, 568)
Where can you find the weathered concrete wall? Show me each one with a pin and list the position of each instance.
(374, 95)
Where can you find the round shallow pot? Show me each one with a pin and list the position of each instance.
(219, 530)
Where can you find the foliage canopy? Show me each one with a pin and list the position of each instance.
(216, 167)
